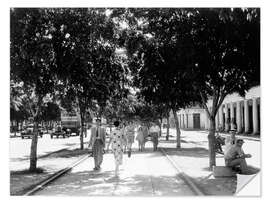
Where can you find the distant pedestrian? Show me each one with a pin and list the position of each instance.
(123, 128)
(117, 140)
(130, 134)
(145, 132)
(154, 133)
(97, 143)
(140, 138)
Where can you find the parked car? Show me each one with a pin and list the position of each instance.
(28, 131)
(59, 132)
(71, 131)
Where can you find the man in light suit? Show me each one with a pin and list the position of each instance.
(97, 143)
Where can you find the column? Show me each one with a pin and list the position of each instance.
(183, 120)
(255, 115)
(187, 126)
(232, 116)
(246, 116)
(221, 117)
(238, 116)
(226, 118)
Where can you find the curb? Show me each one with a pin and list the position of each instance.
(55, 176)
(186, 178)
(245, 137)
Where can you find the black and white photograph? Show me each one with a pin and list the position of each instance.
(135, 101)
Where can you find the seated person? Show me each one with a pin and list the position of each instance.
(235, 156)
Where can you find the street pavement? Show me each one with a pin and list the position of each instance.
(20, 149)
(143, 174)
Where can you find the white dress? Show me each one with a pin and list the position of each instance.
(117, 137)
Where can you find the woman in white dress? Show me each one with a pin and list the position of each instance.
(117, 140)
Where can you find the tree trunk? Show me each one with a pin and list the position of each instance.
(82, 130)
(178, 132)
(211, 143)
(160, 129)
(168, 127)
(33, 153)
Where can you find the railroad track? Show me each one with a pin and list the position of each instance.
(188, 181)
(54, 177)
(197, 191)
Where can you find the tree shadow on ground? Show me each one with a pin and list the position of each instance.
(62, 153)
(89, 183)
(66, 153)
(223, 186)
(188, 152)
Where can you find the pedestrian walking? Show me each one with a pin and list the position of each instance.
(123, 128)
(117, 139)
(140, 138)
(97, 143)
(130, 134)
(145, 132)
(154, 133)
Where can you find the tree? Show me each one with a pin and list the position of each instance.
(17, 112)
(50, 112)
(227, 57)
(88, 64)
(160, 51)
(32, 62)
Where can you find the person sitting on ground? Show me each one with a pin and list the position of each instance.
(219, 142)
(235, 157)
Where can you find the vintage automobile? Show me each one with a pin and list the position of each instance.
(59, 132)
(28, 131)
(71, 131)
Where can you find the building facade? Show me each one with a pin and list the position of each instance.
(242, 113)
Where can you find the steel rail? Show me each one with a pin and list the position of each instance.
(184, 176)
(55, 176)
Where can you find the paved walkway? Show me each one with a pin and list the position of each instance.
(144, 174)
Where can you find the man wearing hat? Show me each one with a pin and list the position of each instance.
(97, 143)
(235, 156)
(230, 140)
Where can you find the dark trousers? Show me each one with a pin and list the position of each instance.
(98, 152)
(155, 140)
(238, 162)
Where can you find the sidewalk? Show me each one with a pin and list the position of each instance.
(242, 136)
(21, 180)
(193, 159)
(145, 173)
